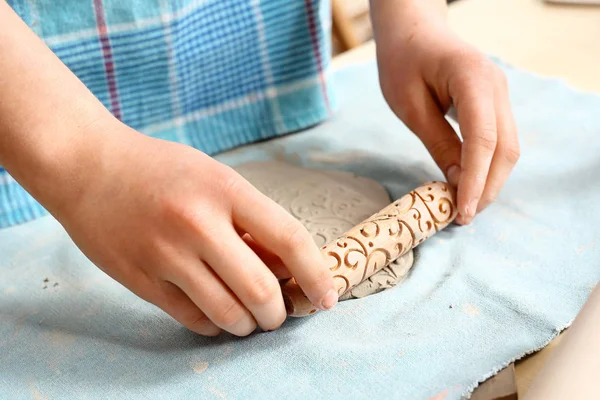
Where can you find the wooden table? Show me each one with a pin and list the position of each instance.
(548, 39)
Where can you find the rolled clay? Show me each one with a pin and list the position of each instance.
(328, 203)
(380, 239)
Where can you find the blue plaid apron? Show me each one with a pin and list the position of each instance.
(213, 74)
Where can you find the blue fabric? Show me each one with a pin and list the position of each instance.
(212, 74)
(477, 298)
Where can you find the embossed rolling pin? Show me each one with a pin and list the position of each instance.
(380, 239)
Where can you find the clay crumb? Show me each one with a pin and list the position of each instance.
(46, 280)
(45, 287)
(199, 367)
(450, 306)
(56, 284)
(471, 310)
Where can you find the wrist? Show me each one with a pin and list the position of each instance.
(53, 130)
(63, 159)
(399, 20)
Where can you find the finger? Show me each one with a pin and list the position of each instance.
(507, 151)
(441, 141)
(477, 120)
(272, 261)
(248, 277)
(283, 235)
(178, 305)
(212, 296)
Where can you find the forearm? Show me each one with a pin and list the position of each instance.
(48, 119)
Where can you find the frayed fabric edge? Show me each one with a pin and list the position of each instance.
(469, 391)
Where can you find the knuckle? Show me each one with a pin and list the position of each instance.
(199, 322)
(453, 59)
(477, 72)
(172, 209)
(229, 315)
(293, 237)
(512, 154)
(233, 185)
(185, 216)
(480, 64)
(208, 235)
(486, 139)
(263, 290)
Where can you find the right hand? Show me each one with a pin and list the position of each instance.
(191, 236)
(174, 226)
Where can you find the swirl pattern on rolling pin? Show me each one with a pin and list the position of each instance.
(381, 239)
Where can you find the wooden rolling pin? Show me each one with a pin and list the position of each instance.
(379, 240)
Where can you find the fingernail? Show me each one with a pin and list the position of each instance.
(470, 209)
(330, 300)
(466, 221)
(453, 175)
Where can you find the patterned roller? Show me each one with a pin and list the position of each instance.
(379, 240)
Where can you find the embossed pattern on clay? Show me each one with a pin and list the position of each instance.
(328, 203)
(380, 239)
(364, 258)
(391, 275)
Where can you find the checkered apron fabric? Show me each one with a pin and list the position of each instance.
(213, 74)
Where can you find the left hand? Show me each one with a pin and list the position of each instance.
(425, 69)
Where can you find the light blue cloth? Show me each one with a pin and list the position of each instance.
(478, 297)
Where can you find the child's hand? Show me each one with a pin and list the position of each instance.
(424, 69)
(167, 222)
(170, 223)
